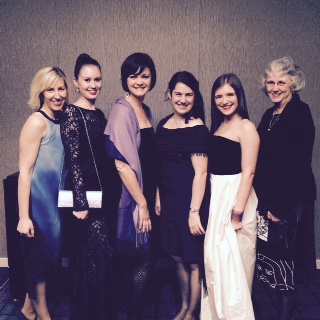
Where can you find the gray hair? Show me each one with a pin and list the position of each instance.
(284, 66)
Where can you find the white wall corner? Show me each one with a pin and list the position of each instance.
(3, 262)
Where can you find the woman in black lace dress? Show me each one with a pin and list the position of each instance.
(182, 147)
(131, 142)
(93, 259)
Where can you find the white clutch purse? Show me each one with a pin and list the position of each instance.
(65, 199)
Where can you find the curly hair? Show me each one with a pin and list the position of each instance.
(284, 66)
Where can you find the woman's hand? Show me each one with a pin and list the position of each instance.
(272, 217)
(25, 227)
(236, 225)
(195, 224)
(81, 214)
(236, 219)
(158, 207)
(144, 219)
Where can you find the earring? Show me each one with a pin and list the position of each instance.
(78, 90)
(127, 94)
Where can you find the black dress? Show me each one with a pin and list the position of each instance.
(176, 173)
(92, 262)
(147, 155)
(135, 265)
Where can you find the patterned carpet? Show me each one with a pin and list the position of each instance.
(163, 298)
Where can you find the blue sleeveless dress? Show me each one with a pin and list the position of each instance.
(44, 249)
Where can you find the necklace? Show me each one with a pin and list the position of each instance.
(274, 119)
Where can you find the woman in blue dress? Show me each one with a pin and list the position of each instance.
(41, 153)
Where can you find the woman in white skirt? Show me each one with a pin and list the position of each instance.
(229, 249)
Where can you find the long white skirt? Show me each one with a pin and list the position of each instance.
(229, 256)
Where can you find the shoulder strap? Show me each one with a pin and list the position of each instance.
(85, 125)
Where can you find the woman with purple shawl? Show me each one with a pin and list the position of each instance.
(131, 142)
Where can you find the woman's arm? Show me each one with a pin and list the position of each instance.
(70, 135)
(32, 133)
(293, 183)
(130, 181)
(249, 141)
(200, 165)
(158, 204)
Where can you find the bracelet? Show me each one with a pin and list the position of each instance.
(193, 210)
(236, 215)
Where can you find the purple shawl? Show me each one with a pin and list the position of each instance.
(123, 144)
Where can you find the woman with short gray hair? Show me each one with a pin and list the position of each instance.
(285, 185)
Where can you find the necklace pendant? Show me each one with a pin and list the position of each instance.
(269, 129)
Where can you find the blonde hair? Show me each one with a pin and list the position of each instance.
(284, 66)
(44, 79)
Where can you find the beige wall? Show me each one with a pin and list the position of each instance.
(205, 37)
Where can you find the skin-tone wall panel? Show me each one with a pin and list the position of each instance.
(28, 43)
(205, 37)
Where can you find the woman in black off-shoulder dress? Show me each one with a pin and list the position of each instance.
(182, 148)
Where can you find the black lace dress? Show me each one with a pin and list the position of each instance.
(92, 259)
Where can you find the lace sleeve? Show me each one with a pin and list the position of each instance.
(70, 134)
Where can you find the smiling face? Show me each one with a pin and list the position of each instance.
(139, 83)
(55, 96)
(226, 100)
(279, 88)
(89, 82)
(182, 99)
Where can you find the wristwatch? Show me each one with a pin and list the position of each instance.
(193, 210)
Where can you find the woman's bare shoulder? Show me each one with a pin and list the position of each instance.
(35, 127)
(247, 126)
(36, 121)
(195, 122)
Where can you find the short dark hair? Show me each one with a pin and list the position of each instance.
(84, 60)
(216, 116)
(135, 64)
(189, 80)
